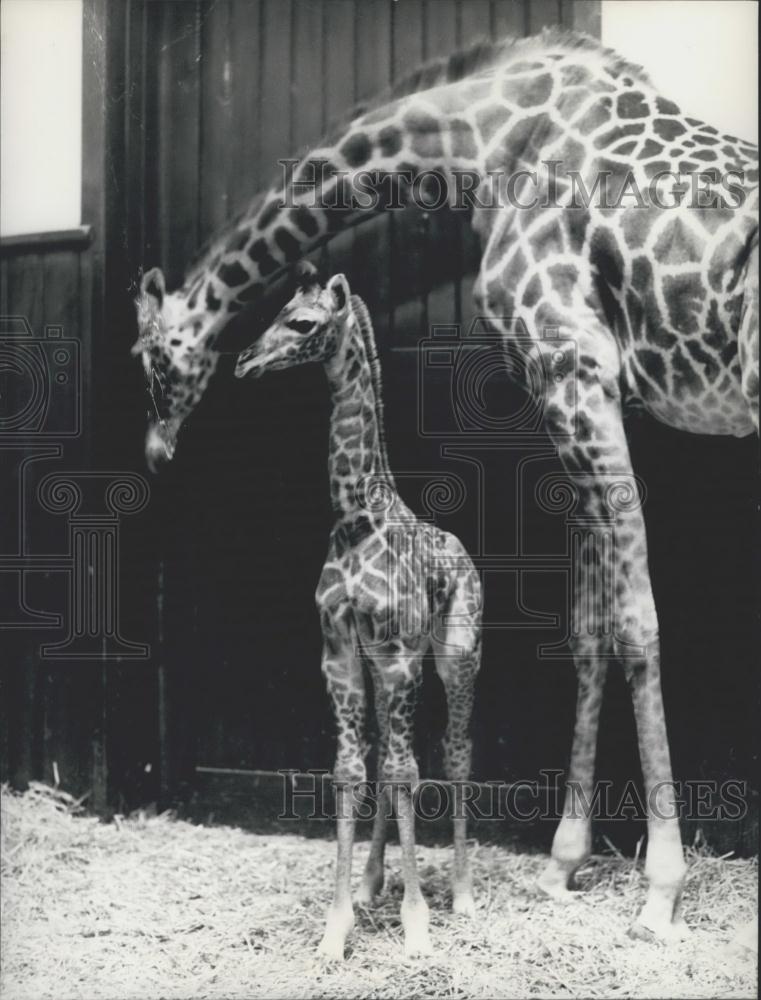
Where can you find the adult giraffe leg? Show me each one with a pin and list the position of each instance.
(587, 426)
(343, 675)
(457, 649)
(372, 879)
(402, 674)
(572, 843)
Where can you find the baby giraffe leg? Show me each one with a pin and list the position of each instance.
(402, 676)
(372, 880)
(457, 650)
(661, 916)
(343, 674)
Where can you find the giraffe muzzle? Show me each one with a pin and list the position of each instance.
(159, 448)
(247, 364)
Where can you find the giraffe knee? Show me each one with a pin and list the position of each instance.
(349, 770)
(641, 669)
(457, 758)
(636, 624)
(400, 770)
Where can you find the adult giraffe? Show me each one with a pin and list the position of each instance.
(577, 165)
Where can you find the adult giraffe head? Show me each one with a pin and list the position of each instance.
(176, 345)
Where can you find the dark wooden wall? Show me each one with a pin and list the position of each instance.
(51, 711)
(191, 105)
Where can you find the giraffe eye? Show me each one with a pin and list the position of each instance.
(301, 325)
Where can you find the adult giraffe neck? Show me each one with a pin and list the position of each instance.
(424, 123)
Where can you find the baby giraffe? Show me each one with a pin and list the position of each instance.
(392, 587)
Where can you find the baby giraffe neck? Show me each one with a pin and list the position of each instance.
(357, 445)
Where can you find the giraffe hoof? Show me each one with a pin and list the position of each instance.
(745, 939)
(331, 949)
(415, 924)
(364, 897)
(557, 881)
(670, 932)
(368, 891)
(463, 902)
(559, 894)
(338, 926)
(557, 889)
(418, 944)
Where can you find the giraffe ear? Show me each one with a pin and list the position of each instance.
(152, 284)
(306, 275)
(338, 287)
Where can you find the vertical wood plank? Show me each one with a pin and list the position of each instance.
(275, 101)
(152, 118)
(475, 21)
(541, 14)
(86, 286)
(67, 698)
(246, 45)
(3, 286)
(339, 97)
(408, 228)
(179, 88)
(509, 17)
(475, 24)
(135, 97)
(441, 20)
(372, 240)
(26, 288)
(307, 72)
(582, 15)
(60, 287)
(60, 307)
(308, 69)
(179, 118)
(216, 126)
(442, 252)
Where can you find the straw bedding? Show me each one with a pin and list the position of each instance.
(154, 907)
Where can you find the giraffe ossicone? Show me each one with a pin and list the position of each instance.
(392, 588)
(660, 298)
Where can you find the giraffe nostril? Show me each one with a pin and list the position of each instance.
(246, 362)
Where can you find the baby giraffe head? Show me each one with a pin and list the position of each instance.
(306, 329)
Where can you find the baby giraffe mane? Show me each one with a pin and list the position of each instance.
(365, 325)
